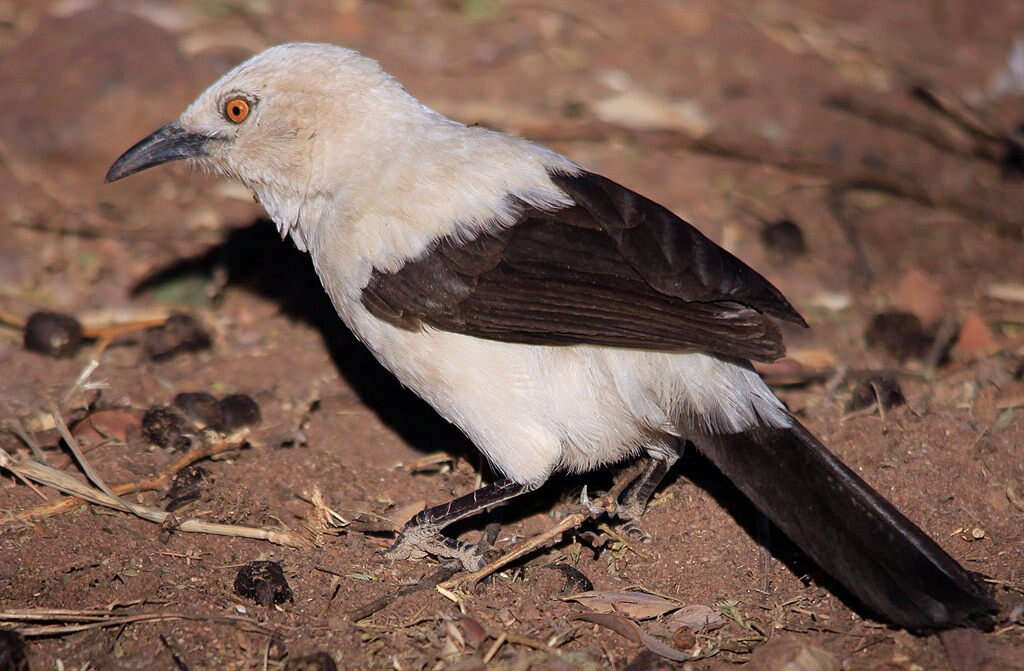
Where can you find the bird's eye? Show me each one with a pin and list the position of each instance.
(236, 110)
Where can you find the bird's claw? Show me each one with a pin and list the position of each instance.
(594, 509)
(628, 514)
(417, 542)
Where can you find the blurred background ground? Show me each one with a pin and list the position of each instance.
(864, 156)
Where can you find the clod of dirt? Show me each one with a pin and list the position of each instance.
(876, 389)
(200, 407)
(900, 334)
(12, 651)
(186, 487)
(784, 236)
(318, 661)
(166, 427)
(53, 333)
(264, 583)
(239, 410)
(180, 333)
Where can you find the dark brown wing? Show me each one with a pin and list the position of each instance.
(615, 269)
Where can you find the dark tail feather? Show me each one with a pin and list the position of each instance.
(849, 529)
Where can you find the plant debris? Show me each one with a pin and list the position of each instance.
(637, 605)
(53, 333)
(165, 427)
(263, 582)
(179, 334)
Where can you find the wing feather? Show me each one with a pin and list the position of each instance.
(615, 269)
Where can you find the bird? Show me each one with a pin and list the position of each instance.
(560, 320)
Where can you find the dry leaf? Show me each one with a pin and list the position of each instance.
(631, 630)
(112, 424)
(637, 605)
(696, 617)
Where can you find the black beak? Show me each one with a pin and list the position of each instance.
(169, 143)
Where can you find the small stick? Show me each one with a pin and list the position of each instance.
(570, 522)
(47, 475)
(495, 647)
(432, 580)
(85, 620)
(72, 444)
(202, 451)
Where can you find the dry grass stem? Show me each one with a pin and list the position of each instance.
(46, 475)
(83, 620)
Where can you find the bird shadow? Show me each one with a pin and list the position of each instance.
(254, 258)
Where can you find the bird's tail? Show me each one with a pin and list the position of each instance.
(850, 530)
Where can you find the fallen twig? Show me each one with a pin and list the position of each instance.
(433, 580)
(201, 451)
(83, 620)
(49, 476)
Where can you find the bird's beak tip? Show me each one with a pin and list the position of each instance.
(168, 143)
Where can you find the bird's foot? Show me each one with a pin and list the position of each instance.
(628, 514)
(417, 541)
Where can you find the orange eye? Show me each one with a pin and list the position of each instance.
(236, 110)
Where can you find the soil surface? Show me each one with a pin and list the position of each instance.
(882, 131)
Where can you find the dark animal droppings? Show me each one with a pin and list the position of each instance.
(239, 410)
(575, 580)
(186, 487)
(53, 333)
(12, 651)
(263, 582)
(180, 333)
(201, 408)
(901, 334)
(166, 427)
(888, 391)
(784, 236)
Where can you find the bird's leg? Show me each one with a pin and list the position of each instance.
(422, 535)
(633, 502)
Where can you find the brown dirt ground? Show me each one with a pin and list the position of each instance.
(82, 80)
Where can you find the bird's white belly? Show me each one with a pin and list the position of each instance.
(534, 409)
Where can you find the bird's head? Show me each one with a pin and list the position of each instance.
(263, 121)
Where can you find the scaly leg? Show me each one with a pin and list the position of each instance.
(633, 501)
(422, 535)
